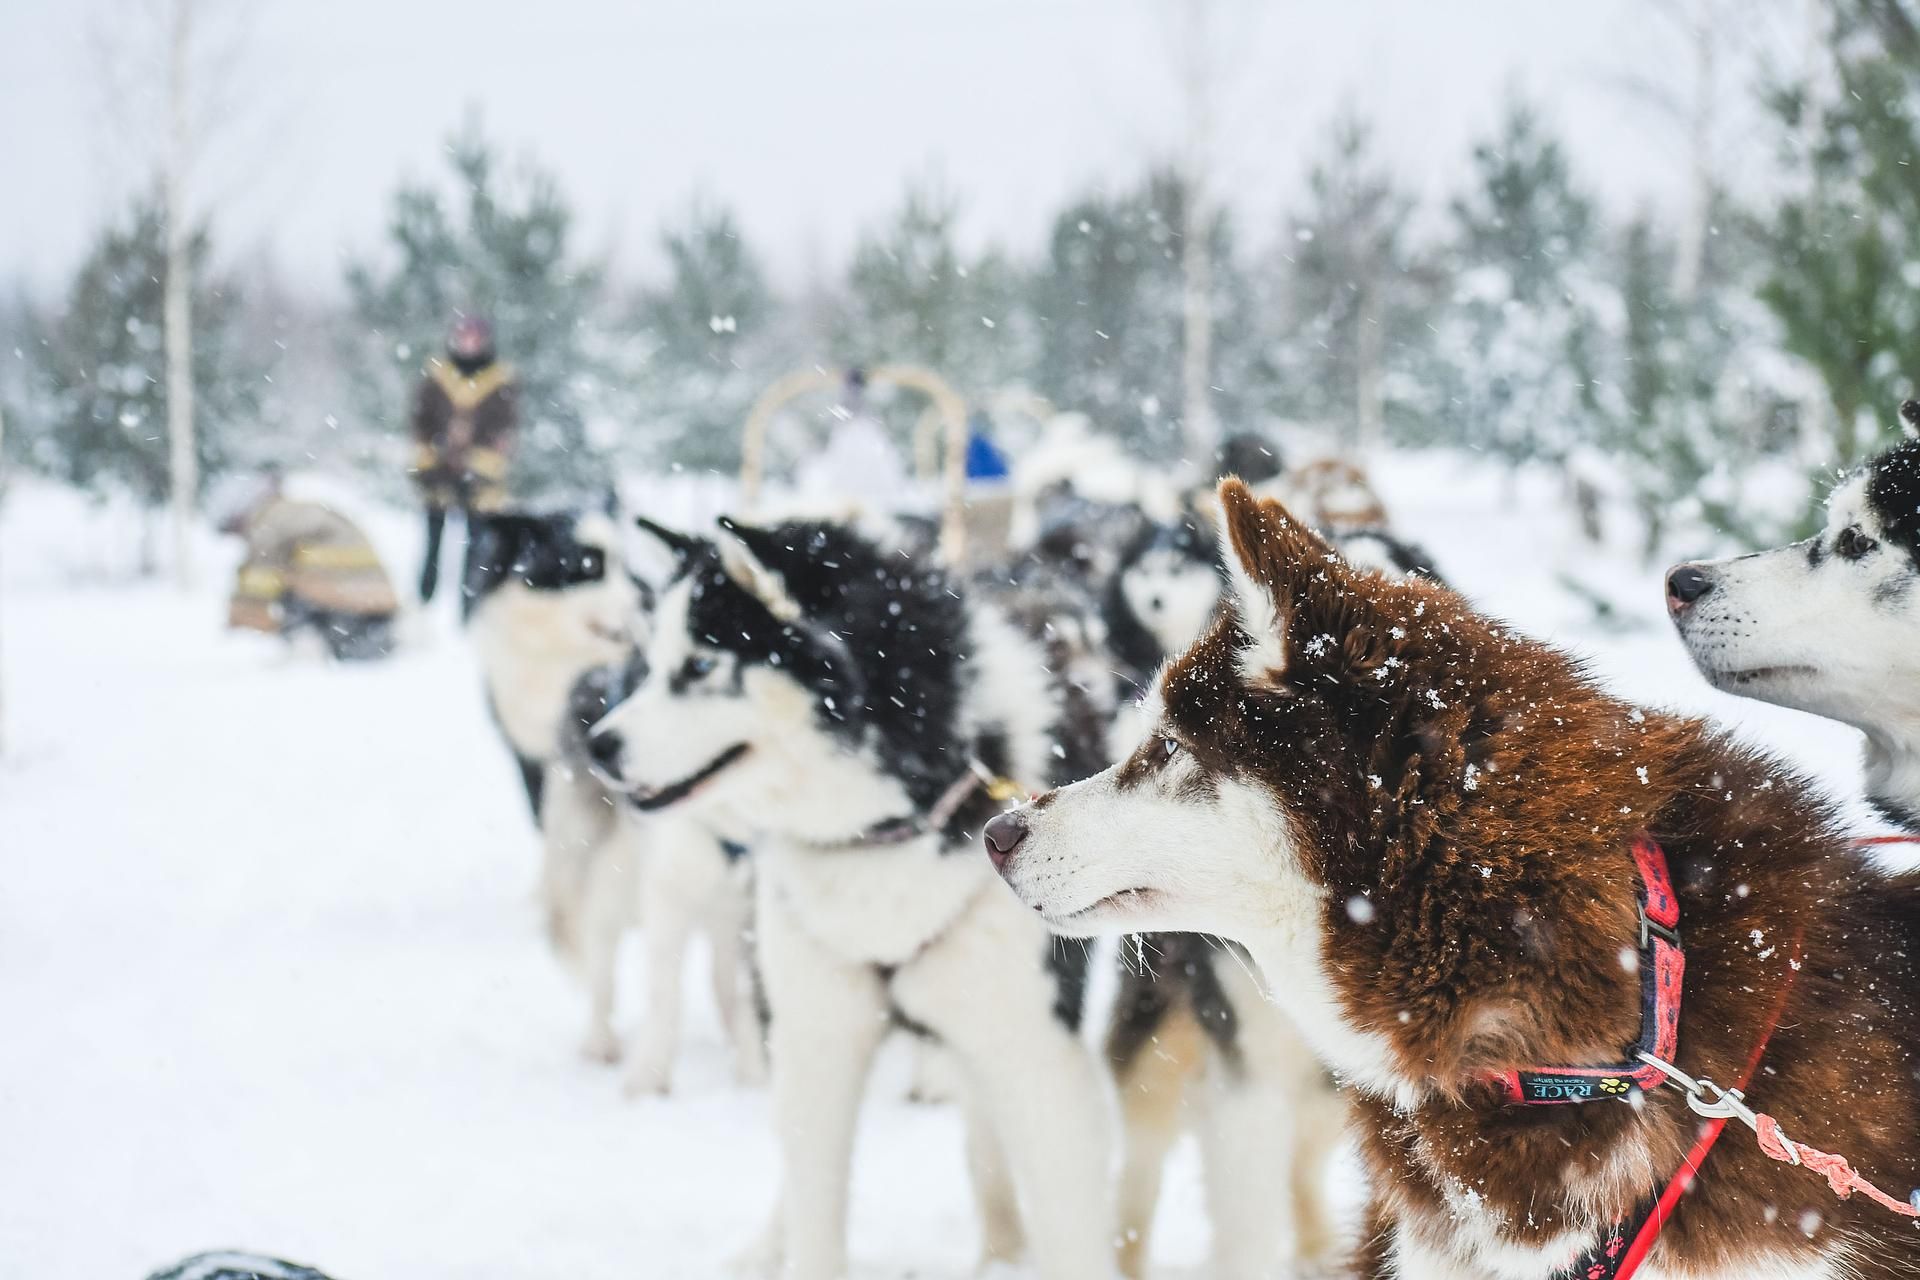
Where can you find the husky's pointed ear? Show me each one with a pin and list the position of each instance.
(1910, 419)
(765, 544)
(1270, 557)
(681, 544)
(740, 558)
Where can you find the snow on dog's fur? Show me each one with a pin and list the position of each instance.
(825, 695)
(1828, 625)
(1420, 824)
(607, 870)
(546, 598)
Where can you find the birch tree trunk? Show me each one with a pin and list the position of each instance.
(1690, 255)
(1196, 251)
(183, 467)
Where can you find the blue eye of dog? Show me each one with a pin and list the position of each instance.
(1852, 544)
(697, 667)
(1169, 747)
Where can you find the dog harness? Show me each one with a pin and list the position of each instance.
(912, 826)
(1662, 965)
(1625, 1245)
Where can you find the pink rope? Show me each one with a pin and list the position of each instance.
(1841, 1176)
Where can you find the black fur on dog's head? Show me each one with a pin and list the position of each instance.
(1893, 490)
(875, 635)
(543, 552)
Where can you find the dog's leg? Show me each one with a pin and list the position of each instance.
(1248, 1182)
(1268, 1083)
(729, 924)
(607, 910)
(1320, 1124)
(985, 989)
(1002, 1238)
(670, 918)
(1153, 1086)
(828, 1018)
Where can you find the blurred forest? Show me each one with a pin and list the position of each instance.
(1666, 361)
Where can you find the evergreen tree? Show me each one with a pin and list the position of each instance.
(1107, 306)
(101, 415)
(1517, 348)
(1356, 299)
(1692, 409)
(1842, 246)
(712, 340)
(913, 296)
(499, 248)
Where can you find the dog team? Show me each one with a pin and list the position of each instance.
(1382, 869)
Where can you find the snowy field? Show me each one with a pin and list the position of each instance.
(271, 975)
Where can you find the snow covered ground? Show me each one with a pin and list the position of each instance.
(271, 977)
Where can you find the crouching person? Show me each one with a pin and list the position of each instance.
(309, 569)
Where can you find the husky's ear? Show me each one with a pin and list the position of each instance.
(682, 545)
(1270, 558)
(1910, 419)
(742, 563)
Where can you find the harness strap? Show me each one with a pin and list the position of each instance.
(907, 827)
(1663, 965)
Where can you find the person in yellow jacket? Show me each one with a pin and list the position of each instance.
(466, 412)
(309, 568)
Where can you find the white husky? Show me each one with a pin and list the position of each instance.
(1828, 625)
(843, 703)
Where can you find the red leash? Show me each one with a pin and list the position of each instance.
(1682, 1182)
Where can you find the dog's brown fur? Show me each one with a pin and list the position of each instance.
(1483, 794)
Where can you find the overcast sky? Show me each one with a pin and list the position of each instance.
(807, 116)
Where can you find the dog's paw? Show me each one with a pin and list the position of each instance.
(750, 1070)
(761, 1257)
(600, 1045)
(648, 1079)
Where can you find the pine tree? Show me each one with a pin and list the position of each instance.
(913, 296)
(1106, 303)
(1517, 348)
(1842, 246)
(1692, 410)
(1355, 297)
(712, 341)
(499, 248)
(102, 395)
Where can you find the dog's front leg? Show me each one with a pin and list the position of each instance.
(669, 906)
(985, 989)
(828, 1016)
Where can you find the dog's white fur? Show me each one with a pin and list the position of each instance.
(1172, 594)
(607, 871)
(1231, 866)
(1778, 627)
(965, 958)
(534, 644)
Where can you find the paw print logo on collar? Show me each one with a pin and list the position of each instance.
(1614, 1085)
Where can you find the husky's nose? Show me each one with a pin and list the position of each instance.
(1686, 583)
(603, 748)
(1003, 835)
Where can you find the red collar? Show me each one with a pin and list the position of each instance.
(1662, 966)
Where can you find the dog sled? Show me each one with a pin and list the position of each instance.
(972, 525)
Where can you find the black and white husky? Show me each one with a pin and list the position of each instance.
(608, 869)
(857, 713)
(1828, 625)
(546, 598)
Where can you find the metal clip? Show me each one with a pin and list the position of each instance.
(1651, 928)
(1707, 1099)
